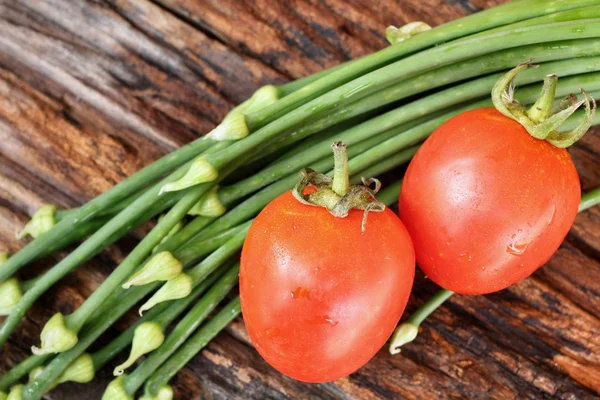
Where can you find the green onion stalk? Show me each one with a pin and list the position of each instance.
(233, 127)
(8, 303)
(184, 329)
(116, 226)
(53, 370)
(279, 117)
(501, 16)
(431, 126)
(408, 331)
(117, 307)
(346, 94)
(125, 387)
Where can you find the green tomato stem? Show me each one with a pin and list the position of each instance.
(341, 179)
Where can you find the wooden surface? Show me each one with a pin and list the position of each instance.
(90, 91)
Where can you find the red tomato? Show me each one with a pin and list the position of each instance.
(485, 203)
(319, 297)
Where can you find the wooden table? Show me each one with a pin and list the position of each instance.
(91, 91)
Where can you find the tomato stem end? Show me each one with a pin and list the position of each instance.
(543, 119)
(335, 194)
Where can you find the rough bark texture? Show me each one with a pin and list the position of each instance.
(90, 91)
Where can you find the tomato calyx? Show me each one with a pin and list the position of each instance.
(335, 194)
(543, 118)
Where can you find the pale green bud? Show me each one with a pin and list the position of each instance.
(165, 393)
(3, 258)
(177, 288)
(161, 267)
(56, 337)
(201, 171)
(263, 97)
(116, 391)
(210, 205)
(233, 127)
(147, 337)
(42, 221)
(405, 333)
(10, 294)
(81, 370)
(397, 35)
(16, 393)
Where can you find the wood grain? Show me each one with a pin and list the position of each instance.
(91, 91)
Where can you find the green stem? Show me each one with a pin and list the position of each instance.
(401, 70)
(194, 344)
(182, 331)
(298, 158)
(590, 199)
(498, 16)
(341, 179)
(107, 199)
(122, 223)
(111, 312)
(163, 314)
(542, 108)
(429, 306)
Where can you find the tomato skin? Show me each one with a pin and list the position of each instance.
(485, 203)
(320, 298)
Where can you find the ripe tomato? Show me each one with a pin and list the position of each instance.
(319, 297)
(485, 203)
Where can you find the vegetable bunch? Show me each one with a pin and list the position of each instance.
(383, 106)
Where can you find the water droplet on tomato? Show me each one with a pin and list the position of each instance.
(300, 293)
(323, 320)
(552, 215)
(516, 248)
(272, 332)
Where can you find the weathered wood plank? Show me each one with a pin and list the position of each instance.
(90, 91)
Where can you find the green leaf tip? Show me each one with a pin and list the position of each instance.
(397, 35)
(164, 393)
(55, 337)
(147, 337)
(201, 171)
(16, 393)
(161, 267)
(42, 221)
(177, 288)
(405, 333)
(210, 205)
(10, 294)
(116, 390)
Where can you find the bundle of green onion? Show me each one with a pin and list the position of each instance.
(382, 106)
